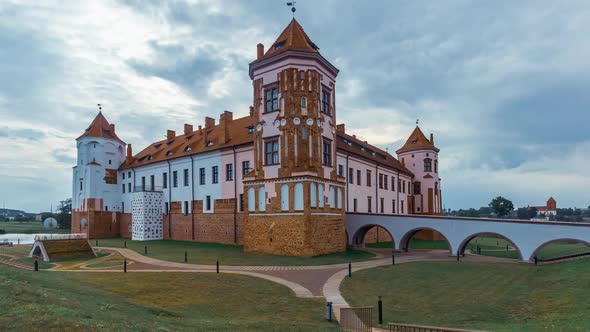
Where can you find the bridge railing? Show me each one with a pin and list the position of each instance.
(72, 236)
(399, 327)
(357, 319)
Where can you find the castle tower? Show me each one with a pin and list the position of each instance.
(100, 153)
(294, 194)
(420, 156)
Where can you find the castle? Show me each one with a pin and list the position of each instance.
(280, 180)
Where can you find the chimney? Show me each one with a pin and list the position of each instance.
(200, 130)
(224, 121)
(188, 128)
(170, 134)
(129, 153)
(112, 127)
(209, 122)
(432, 138)
(259, 51)
(340, 128)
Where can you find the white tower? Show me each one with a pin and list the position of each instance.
(100, 153)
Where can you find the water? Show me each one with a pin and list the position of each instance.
(24, 238)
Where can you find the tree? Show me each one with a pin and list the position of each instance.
(64, 216)
(501, 206)
(532, 212)
(522, 213)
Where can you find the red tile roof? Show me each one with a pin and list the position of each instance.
(292, 38)
(100, 127)
(417, 141)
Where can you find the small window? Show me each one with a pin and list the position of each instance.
(354, 205)
(368, 178)
(350, 175)
(427, 165)
(185, 177)
(209, 143)
(175, 179)
(229, 172)
(327, 153)
(304, 133)
(250, 130)
(165, 180)
(185, 207)
(272, 152)
(123, 175)
(166, 209)
(326, 101)
(369, 204)
(301, 74)
(150, 157)
(340, 170)
(110, 162)
(303, 102)
(201, 176)
(169, 153)
(245, 167)
(271, 97)
(123, 188)
(208, 203)
(187, 149)
(215, 171)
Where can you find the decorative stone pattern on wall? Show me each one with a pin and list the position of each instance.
(146, 215)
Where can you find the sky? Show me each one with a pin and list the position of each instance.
(503, 85)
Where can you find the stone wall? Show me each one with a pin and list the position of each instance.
(100, 224)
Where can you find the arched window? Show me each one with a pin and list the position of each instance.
(339, 198)
(321, 195)
(261, 199)
(251, 199)
(285, 197)
(427, 165)
(299, 196)
(332, 198)
(304, 133)
(313, 197)
(303, 102)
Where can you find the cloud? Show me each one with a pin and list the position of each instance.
(502, 85)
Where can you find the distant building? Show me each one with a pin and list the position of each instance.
(38, 217)
(544, 212)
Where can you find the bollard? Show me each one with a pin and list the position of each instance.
(185, 256)
(125, 266)
(218, 265)
(18, 241)
(329, 311)
(380, 310)
(457, 256)
(392, 259)
(125, 244)
(506, 247)
(145, 250)
(478, 250)
(349, 269)
(536, 260)
(96, 243)
(36, 265)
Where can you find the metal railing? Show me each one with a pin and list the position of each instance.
(49, 237)
(147, 188)
(398, 327)
(358, 319)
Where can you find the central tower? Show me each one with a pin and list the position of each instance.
(295, 197)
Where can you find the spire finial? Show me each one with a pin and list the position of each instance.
(292, 5)
(417, 121)
(99, 107)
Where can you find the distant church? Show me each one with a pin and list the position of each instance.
(280, 180)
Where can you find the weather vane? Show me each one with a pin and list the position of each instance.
(99, 107)
(292, 5)
(417, 120)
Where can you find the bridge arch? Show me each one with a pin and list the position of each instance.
(464, 243)
(405, 239)
(358, 237)
(536, 251)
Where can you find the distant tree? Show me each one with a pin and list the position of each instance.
(467, 213)
(485, 211)
(532, 212)
(501, 206)
(522, 213)
(45, 215)
(64, 216)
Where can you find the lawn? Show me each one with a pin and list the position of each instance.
(494, 297)
(152, 302)
(208, 253)
(28, 227)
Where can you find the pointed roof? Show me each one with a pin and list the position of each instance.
(417, 141)
(100, 127)
(292, 38)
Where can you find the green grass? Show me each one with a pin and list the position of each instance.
(208, 253)
(28, 227)
(414, 244)
(152, 302)
(495, 297)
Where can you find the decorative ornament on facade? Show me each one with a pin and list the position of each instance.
(259, 127)
(296, 121)
(283, 122)
(319, 123)
(277, 123)
(309, 121)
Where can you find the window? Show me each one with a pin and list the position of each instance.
(229, 172)
(299, 196)
(382, 205)
(436, 188)
(165, 180)
(416, 188)
(285, 197)
(402, 207)
(245, 167)
(272, 152)
(301, 74)
(250, 130)
(354, 205)
(80, 185)
(327, 153)
(152, 182)
(261, 199)
(215, 171)
(201, 176)
(313, 194)
(123, 175)
(427, 165)
(436, 166)
(303, 102)
(369, 204)
(392, 183)
(175, 179)
(106, 208)
(123, 207)
(350, 175)
(384, 181)
(241, 202)
(143, 183)
(340, 170)
(399, 185)
(404, 187)
(271, 96)
(358, 177)
(393, 206)
(326, 101)
(380, 181)
(166, 210)
(185, 207)
(129, 187)
(185, 177)
(304, 133)
(129, 175)
(123, 188)
(368, 178)
(251, 199)
(110, 162)
(208, 203)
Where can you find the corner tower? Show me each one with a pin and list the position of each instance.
(294, 193)
(420, 156)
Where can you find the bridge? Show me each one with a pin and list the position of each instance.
(527, 237)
